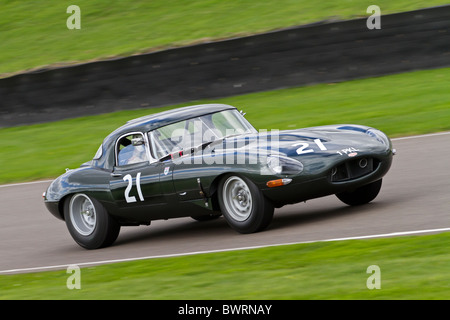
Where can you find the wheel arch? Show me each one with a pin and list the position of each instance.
(62, 203)
(213, 190)
(95, 195)
(214, 185)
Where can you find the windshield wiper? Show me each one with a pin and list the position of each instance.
(183, 152)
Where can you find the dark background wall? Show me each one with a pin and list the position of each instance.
(322, 52)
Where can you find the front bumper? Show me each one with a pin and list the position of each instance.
(326, 183)
(53, 207)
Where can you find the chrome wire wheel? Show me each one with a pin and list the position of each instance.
(82, 214)
(237, 198)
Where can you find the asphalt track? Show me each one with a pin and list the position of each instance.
(414, 199)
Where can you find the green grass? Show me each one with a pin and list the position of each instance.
(33, 33)
(411, 268)
(403, 104)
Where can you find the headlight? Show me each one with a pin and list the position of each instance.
(284, 165)
(380, 136)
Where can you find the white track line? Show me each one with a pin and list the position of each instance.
(84, 264)
(422, 136)
(24, 183)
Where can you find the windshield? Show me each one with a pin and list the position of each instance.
(194, 132)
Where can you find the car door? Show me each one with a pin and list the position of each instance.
(136, 185)
(186, 181)
(135, 180)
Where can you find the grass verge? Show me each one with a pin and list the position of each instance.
(413, 268)
(403, 104)
(33, 33)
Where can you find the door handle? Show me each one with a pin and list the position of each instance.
(116, 175)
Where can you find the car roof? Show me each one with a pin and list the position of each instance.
(157, 120)
(154, 121)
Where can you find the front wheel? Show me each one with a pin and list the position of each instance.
(89, 223)
(243, 205)
(361, 195)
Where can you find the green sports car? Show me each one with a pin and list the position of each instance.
(205, 161)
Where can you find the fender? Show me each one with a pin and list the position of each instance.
(78, 180)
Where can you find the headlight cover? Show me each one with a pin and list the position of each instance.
(379, 135)
(283, 165)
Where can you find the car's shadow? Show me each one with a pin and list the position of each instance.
(297, 216)
(187, 229)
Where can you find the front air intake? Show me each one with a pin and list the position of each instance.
(353, 169)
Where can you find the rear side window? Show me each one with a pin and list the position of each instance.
(131, 149)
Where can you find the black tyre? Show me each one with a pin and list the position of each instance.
(89, 223)
(243, 205)
(362, 195)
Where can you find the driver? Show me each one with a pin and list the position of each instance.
(132, 154)
(138, 155)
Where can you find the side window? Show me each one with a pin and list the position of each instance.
(131, 149)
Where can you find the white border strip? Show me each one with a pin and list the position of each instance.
(84, 264)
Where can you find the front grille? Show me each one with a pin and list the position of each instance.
(352, 169)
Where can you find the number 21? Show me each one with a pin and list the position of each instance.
(304, 145)
(129, 178)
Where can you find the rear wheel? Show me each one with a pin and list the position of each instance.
(89, 223)
(243, 205)
(362, 195)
